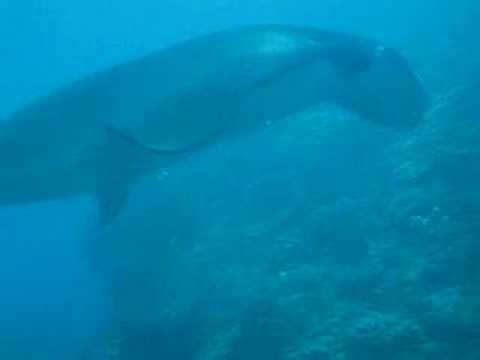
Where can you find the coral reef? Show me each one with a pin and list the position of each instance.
(365, 248)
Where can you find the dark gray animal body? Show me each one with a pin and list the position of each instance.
(100, 134)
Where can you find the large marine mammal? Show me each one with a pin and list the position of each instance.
(100, 134)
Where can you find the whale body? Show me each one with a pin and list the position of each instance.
(102, 133)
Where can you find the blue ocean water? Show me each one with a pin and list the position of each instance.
(326, 238)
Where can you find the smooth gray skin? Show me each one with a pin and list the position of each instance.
(101, 134)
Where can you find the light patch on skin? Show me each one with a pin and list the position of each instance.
(278, 43)
(379, 50)
(162, 175)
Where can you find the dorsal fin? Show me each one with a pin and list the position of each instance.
(189, 148)
(116, 183)
(135, 142)
(117, 176)
(111, 199)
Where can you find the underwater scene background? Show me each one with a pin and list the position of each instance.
(321, 237)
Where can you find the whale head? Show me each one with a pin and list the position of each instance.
(387, 91)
